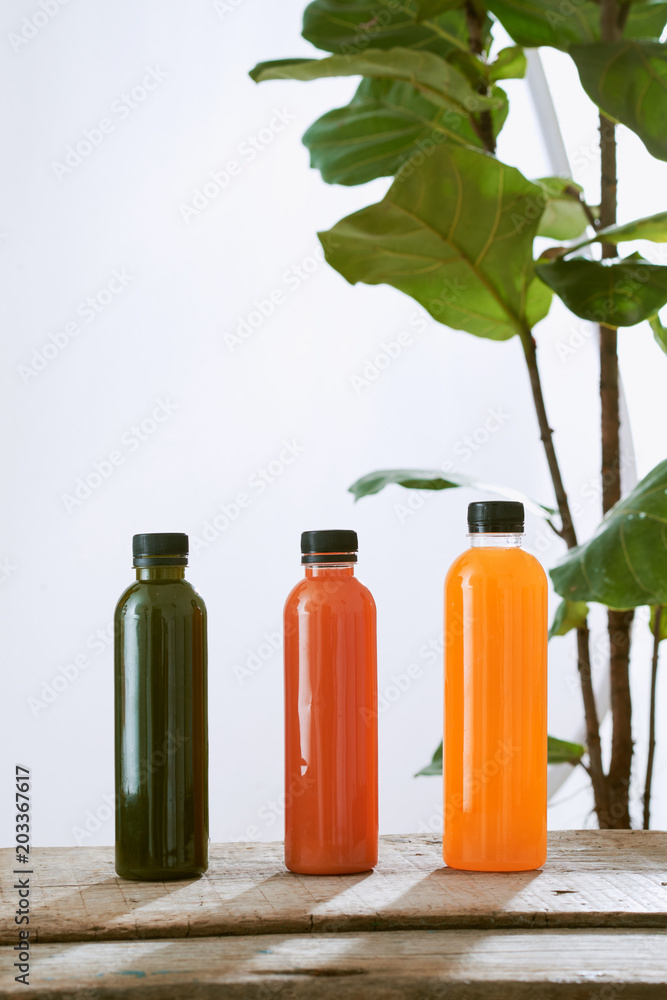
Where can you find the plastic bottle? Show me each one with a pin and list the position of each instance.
(331, 809)
(495, 733)
(161, 730)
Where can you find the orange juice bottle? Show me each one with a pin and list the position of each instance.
(331, 796)
(495, 734)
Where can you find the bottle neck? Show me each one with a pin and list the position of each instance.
(329, 569)
(496, 540)
(160, 572)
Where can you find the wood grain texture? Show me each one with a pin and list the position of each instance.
(412, 965)
(591, 879)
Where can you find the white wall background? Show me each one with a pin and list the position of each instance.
(164, 336)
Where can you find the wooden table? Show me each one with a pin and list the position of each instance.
(591, 924)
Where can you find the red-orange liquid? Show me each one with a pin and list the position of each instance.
(495, 743)
(331, 814)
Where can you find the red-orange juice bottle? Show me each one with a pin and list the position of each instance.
(331, 796)
(495, 734)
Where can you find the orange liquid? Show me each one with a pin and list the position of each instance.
(495, 744)
(331, 813)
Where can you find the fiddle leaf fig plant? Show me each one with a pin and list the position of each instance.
(617, 294)
(624, 564)
(456, 231)
(607, 70)
(426, 479)
(382, 125)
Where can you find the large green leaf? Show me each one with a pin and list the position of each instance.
(351, 26)
(438, 80)
(563, 217)
(659, 333)
(551, 22)
(455, 232)
(509, 64)
(652, 227)
(382, 126)
(628, 81)
(646, 20)
(558, 752)
(563, 752)
(569, 615)
(662, 633)
(425, 9)
(434, 767)
(624, 563)
(617, 294)
(434, 479)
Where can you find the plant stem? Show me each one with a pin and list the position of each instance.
(588, 212)
(618, 779)
(593, 744)
(610, 419)
(483, 125)
(569, 534)
(619, 623)
(651, 720)
(546, 436)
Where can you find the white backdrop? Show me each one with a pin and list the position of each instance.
(171, 336)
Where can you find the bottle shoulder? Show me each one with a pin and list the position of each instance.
(312, 593)
(174, 594)
(481, 561)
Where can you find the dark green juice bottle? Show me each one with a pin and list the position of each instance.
(161, 717)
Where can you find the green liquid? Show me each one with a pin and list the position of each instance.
(161, 728)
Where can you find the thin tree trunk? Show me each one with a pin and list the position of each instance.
(651, 720)
(569, 535)
(619, 623)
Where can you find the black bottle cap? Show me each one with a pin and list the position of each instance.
(161, 549)
(329, 546)
(500, 516)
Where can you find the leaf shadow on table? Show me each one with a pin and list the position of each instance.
(107, 910)
(286, 902)
(446, 897)
(112, 908)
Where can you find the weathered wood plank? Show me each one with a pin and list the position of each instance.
(591, 879)
(412, 965)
